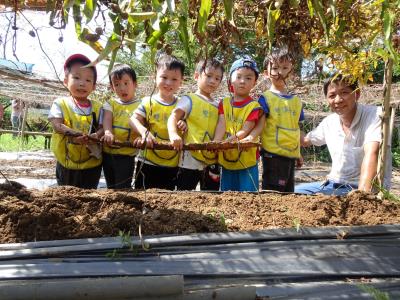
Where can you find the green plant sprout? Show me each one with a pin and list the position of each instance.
(221, 217)
(297, 224)
(374, 292)
(386, 194)
(126, 241)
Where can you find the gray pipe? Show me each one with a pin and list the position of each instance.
(231, 293)
(107, 288)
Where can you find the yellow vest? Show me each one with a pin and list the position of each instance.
(201, 122)
(235, 117)
(75, 156)
(157, 115)
(281, 133)
(122, 113)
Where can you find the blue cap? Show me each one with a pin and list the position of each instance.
(244, 62)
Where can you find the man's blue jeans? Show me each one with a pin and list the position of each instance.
(327, 187)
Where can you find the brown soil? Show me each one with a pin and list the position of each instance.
(40, 169)
(67, 212)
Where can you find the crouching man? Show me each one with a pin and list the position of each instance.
(353, 136)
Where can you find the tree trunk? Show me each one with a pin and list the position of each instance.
(385, 121)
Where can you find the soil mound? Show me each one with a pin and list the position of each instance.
(68, 212)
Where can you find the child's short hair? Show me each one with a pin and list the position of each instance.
(339, 78)
(119, 70)
(277, 54)
(244, 62)
(204, 64)
(170, 62)
(78, 59)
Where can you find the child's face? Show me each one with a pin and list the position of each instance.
(278, 70)
(341, 98)
(168, 82)
(124, 87)
(80, 81)
(242, 81)
(209, 80)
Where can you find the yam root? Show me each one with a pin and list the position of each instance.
(211, 146)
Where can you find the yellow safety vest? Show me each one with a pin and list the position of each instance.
(237, 159)
(201, 122)
(70, 155)
(281, 133)
(157, 115)
(122, 113)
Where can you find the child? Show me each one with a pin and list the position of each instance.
(158, 168)
(238, 116)
(119, 163)
(76, 164)
(200, 111)
(280, 136)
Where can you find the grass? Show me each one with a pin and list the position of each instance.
(8, 143)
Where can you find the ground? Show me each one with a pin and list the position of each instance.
(67, 212)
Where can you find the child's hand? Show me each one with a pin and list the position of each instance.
(232, 138)
(108, 138)
(82, 140)
(247, 139)
(182, 126)
(176, 141)
(299, 162)
(147, 139)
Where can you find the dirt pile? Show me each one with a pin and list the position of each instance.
(67, 212)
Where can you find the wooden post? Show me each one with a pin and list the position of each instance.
(385, 121)
(22, 132)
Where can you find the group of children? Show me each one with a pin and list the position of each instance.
(195, 117)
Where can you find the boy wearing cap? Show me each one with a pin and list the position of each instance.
(280, 132)
(78, 158)
(238, 115)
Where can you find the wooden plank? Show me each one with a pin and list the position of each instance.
(26, 132)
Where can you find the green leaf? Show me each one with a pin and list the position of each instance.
(228, 6)
(310, 7)
(112, 44)
(50, 6)
(156, 5)
(89, 9)
(116, 22)
(157, 34)
(171, 5)
(77, 19)
(96, 46)
(184, 8)
(294, 3)
(68, 4)
(204, 12)
(388, 20)
(339, 31)
(272, 17)
(321, 15)
(184, 36)
(141, 16)
(112, 60)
